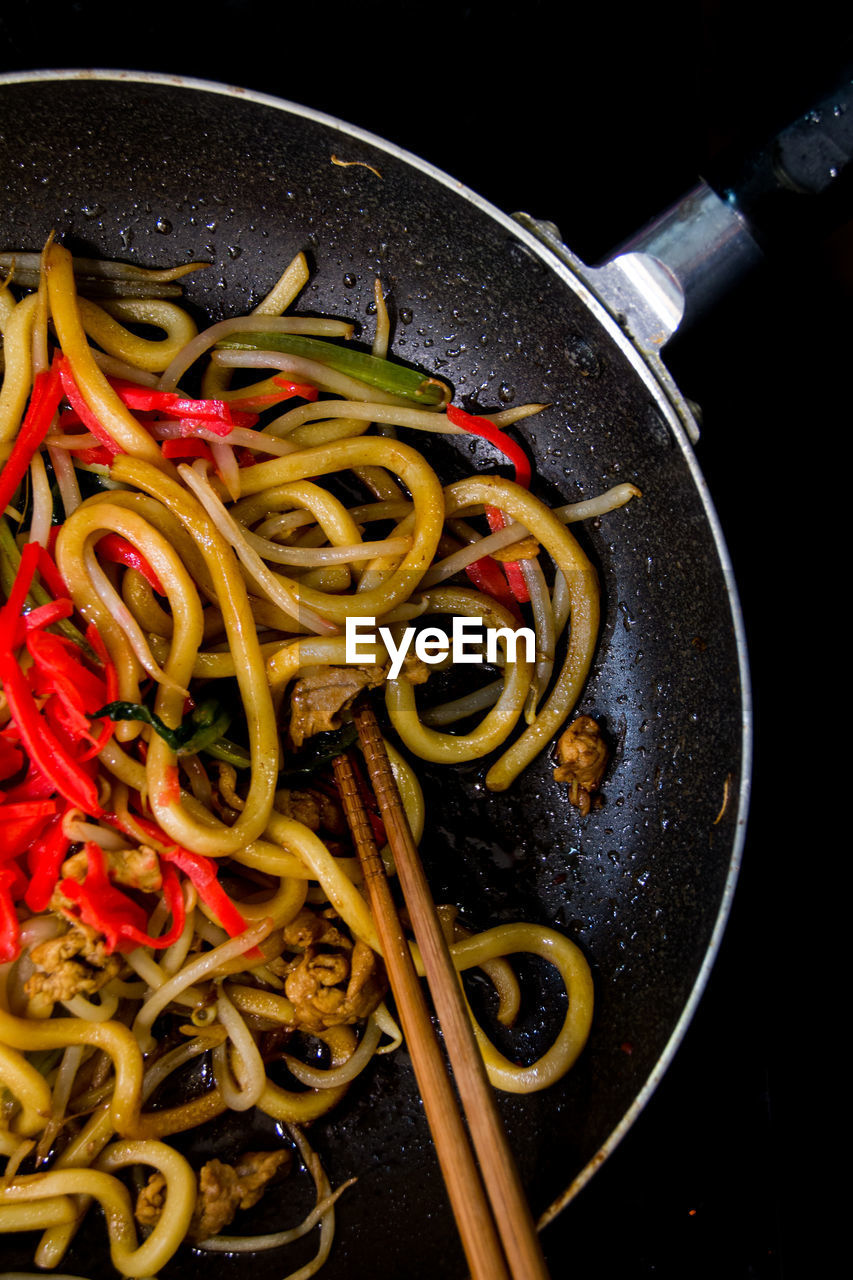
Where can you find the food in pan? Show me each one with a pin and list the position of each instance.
(184, 546)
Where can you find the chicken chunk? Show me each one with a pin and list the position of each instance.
(314, 809)
(137, 868)
(321, 694)
(222, 1190)
(151, 1201)
(328, 988)
(582, 759)
(310, 929)
(75, 963)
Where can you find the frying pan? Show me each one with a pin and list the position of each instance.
(158, 170)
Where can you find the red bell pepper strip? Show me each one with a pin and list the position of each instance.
(174, 895)
(86, 453)
(44, 860)
(21, 823)
(10, 614)
(11, 759)
(197, 868)
(288, 391)
(487, 577)
(50, 575)
(99, 649)
(89, 420)
(44, 402)
(49, 755)
(187, 447)
(35, 786)
(111, 685)
(202, 872)
(12, 881)
(482, 427)
(512, 569)
(121, 920)
(45, 615)
(59, 672)
(216, 415)
(95, 456)
(116, 549)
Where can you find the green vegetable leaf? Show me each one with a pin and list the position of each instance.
(317, 752)
(197, 732)
(396, 379)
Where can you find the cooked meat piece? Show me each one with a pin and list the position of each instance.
(582, 755)
(222, 1190)
(255, 1169)
(136, 868)
(321, 693)
(316, 810)
(330, 988)
(367, 982)
(74, 963)
(150, 1201)
(309, 929)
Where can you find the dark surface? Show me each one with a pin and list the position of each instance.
(597, 129)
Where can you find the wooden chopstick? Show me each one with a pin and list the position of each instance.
(510, 1211)
(462, 1179)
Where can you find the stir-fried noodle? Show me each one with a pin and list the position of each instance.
(178, 889)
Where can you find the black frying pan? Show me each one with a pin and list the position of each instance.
(644, 885)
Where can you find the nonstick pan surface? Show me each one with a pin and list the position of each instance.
(159, 172)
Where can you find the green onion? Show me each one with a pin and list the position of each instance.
(396, 379)
(197, 732)
(44, 1060)
(230, 753)
(318, 751)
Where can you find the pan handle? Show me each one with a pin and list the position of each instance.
(797, 187)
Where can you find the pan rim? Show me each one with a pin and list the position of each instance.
(570, 270)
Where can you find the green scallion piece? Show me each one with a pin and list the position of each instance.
(386, 375)
(199, 731)
(230, 753)
(318, 751)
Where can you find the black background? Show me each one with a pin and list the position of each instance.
(596, 118)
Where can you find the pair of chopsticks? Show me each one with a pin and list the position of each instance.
(488, 1202)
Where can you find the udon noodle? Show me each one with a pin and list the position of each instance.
(188, 521)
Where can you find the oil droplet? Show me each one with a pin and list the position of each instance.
(163, 225)
(582, 356)
(505, 393)
(349, 280)
(405, 317)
